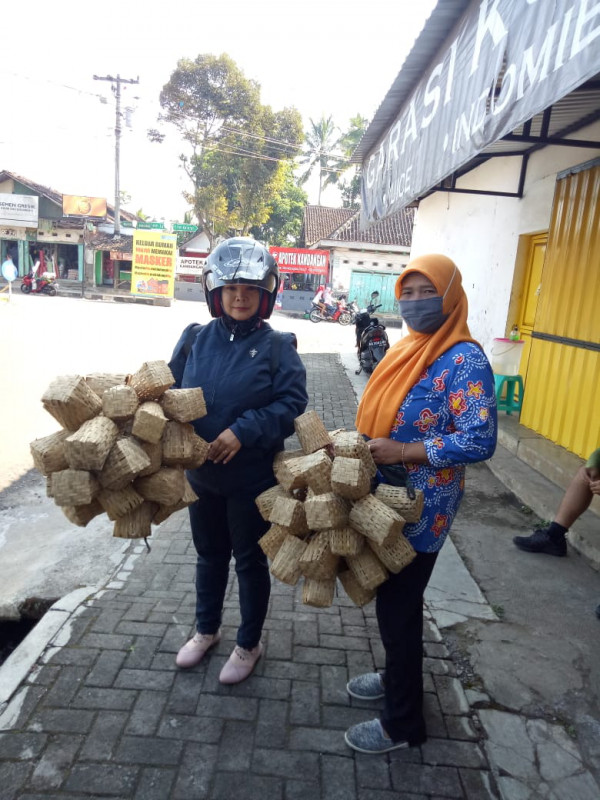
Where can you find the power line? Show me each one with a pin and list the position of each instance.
(330, 154)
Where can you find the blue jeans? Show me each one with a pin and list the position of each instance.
(399, 609)
(222, 526)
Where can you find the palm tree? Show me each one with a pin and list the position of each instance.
(347, 144)
(320, 140)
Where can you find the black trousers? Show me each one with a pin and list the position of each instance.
(400, 616)
(222, 526)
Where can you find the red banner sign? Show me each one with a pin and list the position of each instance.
(306, 262)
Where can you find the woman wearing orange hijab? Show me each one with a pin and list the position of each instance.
(429, 406)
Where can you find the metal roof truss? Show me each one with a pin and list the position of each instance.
(549, 128)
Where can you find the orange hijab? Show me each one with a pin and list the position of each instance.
(404, 362)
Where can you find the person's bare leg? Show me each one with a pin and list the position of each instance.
(576, 499)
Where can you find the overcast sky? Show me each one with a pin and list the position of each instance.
(321, 56)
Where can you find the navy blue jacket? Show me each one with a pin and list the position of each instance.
(240, 394)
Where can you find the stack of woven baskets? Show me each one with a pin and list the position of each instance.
(124, 443)
(325, 522)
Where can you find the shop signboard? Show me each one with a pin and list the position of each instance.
(187, 265)
(116, 255)
(16, 233)
(505, 62)
(299, 261)
(153, 264)
(19, 209)
(75, 205)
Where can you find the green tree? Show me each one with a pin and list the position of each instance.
(235, 145)
(320, 141)
(284, 224)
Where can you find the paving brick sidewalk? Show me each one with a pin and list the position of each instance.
(106, 714)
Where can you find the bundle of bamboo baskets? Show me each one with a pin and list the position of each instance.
(123, 446)
(326, 524)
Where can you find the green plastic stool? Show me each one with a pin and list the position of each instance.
(512, 401)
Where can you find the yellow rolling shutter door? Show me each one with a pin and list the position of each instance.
(563, 376)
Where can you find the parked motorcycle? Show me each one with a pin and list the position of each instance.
(42, 285)
(371, 339)
(340, 315)
(353, 309)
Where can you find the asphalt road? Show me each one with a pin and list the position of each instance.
(45, 337)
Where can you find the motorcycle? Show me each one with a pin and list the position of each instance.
(353, 309)
(340, 314)
(43, 285)
(371, 339)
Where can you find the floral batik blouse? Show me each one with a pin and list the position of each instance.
(452, 410)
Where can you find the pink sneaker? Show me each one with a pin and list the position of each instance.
(194, 651)
(240, 665)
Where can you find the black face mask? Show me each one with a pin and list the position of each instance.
(423, 316)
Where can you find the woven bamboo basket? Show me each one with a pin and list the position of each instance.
(71, 401)
(290, 513)
(326, 511)
(154, 453)
(99, 382)
(395, 554)
(284, 455)
(199, 453)
(119, 402)
(375, 520)
(48, 453)
(357, 593)
(272, 540)
(81, 515)
(117, 504)
(88, 448)
(286, 564)
(137, 524)
(318, 561)
(184, 405)
(311, 432)
(49, 485)
(316, 469)
(289, 473)
(125, 461)
(349, 478)
(178, 443)
(164, 512)
(396, 497)
(74, 487)
(125, 427)
(367, 569)
(266, 500)
(151, 380)
(149, 422)
(165, 487)
(346, 541)
(318, 592)
(350, 444)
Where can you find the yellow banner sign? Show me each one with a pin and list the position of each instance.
(153, 263)
(79, 206)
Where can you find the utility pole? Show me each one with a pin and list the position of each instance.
(118, 81)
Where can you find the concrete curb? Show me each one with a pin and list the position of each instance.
(16, 667)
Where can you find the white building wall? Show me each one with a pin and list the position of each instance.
(481, 233)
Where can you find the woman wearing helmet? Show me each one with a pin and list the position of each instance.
(254, 385)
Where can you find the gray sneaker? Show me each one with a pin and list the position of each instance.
(366, 687)
(369, 737)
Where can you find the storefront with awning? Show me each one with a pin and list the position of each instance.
(493, 126)
(301, 272)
